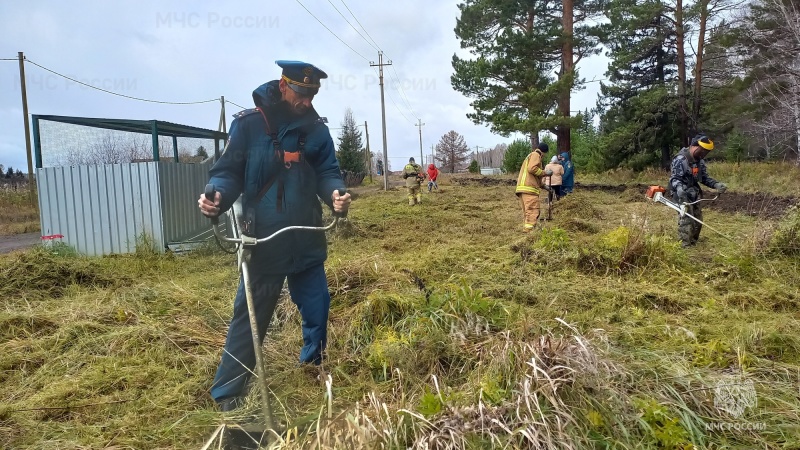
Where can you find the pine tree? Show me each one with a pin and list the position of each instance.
(452, 152)
(515, 155)
(519, 45)
(639, 105)
(351, 155)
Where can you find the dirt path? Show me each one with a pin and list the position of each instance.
(752, 204)
(19, 241)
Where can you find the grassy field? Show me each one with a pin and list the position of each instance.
(450, 329)
(17, 215)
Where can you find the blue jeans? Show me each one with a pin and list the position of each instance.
(309, 291)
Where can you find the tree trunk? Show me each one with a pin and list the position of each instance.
(698, 71)
(567, 70)
(666, 154)
(683, 109)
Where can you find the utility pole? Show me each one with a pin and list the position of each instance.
(369, 154)
(383, 119)
(421, 158)
(24, 90)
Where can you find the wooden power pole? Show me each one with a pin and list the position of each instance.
(383, 119)
(24, 90)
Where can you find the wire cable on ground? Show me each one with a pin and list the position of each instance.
(118, 94)
(331, 32)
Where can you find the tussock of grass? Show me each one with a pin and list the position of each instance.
(42, 273)
(786, 238)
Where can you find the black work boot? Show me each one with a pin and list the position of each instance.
(248, 437)
(231, 403)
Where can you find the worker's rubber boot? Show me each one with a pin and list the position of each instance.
(248, 437)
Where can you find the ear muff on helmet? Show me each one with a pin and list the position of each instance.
(703, 142)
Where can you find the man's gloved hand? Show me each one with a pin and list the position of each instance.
(721, 187)
(548, 172)
(547, 188)
(680, 193)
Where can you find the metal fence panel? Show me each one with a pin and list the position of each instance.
(102, 209)
(181, 185)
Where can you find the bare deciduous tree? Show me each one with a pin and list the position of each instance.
(452, 152)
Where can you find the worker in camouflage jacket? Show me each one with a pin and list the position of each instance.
(414, 177)
(688, 171)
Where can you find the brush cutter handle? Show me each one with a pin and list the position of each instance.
(340, 215)
(211, 194)
(703, 200)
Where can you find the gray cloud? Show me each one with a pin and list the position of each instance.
(172, 51)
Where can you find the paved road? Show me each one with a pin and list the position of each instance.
(19, 241)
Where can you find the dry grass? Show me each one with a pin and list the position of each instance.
(449, 329)
(17, 214)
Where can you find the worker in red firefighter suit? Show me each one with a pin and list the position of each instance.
(688, 171)
(281, 157)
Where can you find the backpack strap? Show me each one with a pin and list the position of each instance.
(282, 158)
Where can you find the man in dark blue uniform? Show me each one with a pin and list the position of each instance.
(688, 171)
(281, 158)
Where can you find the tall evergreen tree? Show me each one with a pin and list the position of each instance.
(351, 155)
(515, 155)
(452, 152)
(518, 47)
(639, 105)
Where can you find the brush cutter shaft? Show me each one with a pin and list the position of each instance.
(244, 253)
(260, 368)
(658, 197)
(681, 209)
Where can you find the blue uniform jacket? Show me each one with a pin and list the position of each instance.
(689, 173)
(568, 179)
(247, 165)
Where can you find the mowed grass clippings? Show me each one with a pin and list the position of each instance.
(449, 329)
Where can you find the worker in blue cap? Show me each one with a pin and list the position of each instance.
(280, 157)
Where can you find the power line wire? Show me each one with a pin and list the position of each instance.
(351, 26)
(331, 32)
(9, 59)
(401, 91)
(234, 104)
(397, 107)
(116, 93)
(403, 94)
(359, 24)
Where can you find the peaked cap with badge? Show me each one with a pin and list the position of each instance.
(302, 77)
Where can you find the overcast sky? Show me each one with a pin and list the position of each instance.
(200, 50)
